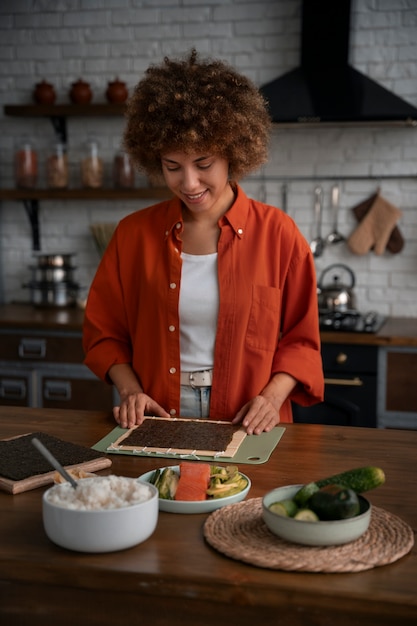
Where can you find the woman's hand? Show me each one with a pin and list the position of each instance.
(261, 413)
(135, 404)
(134, 407)
(257, 416)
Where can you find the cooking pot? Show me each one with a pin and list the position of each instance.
(336, 296)
(51, 274)
(54, 260)
(46, 294)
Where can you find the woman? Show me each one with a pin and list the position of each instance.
(204, 305)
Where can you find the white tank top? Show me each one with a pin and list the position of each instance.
(198, 310)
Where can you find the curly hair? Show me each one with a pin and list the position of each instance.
(195, 106)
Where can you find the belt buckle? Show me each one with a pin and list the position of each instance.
(191, 380)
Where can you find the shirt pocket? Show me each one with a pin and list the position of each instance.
(264, 318)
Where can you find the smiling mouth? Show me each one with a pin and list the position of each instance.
(195, 196)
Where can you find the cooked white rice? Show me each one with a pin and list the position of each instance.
(101, 492)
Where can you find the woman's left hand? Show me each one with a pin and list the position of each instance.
(257, 416)
(261, 413)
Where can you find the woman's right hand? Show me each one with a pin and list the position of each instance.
(133, 409)
(135, 404)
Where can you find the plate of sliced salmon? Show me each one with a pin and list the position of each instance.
(196, 487)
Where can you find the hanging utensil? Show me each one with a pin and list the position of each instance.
(318, 243)
(284, 197)
(335, 236)
(53, 461)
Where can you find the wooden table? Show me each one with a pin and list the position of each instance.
(175, 577)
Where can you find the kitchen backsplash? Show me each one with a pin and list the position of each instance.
(99, 41)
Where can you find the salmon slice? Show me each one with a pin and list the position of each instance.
(193, 482)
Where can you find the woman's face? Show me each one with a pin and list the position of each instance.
(200, 181)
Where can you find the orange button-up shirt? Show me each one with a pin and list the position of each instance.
(267, 318)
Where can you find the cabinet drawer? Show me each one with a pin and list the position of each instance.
(349, 359)
(15, 388)
(43, 347)
(73, 392)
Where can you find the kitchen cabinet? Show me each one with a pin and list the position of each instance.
(58, 115)
(350, 373)
(43, 368)
(397, 387)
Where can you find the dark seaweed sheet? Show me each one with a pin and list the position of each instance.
(181, 435)
(19, 459)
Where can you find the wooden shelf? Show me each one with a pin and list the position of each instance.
(63, 110)
(58, 114)
(85, 194)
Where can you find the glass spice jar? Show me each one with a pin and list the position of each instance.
(92, 169)
(26, 167)
(123, 172)
(57, 168)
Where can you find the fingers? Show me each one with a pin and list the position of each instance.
(134, 408)
(257, 416)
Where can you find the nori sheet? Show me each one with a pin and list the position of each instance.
(19, 459)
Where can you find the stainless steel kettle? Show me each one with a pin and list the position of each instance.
(336, 296)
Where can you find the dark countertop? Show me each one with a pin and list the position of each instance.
(397, 331)
(27, 316)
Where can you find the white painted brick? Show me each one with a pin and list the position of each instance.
(99, 39)
(135, 16)
(85, 18)
(185, 14)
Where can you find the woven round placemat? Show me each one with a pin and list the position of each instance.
(239, 532)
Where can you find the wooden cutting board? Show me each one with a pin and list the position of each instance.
(21, 451)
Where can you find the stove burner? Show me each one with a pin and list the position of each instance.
(351, 321)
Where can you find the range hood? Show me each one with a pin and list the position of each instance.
(325, 88)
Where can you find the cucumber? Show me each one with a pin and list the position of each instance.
(306, 515)
(334, 502)
(285, 508)
(359, 480)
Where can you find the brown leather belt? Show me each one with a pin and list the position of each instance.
(197, 379)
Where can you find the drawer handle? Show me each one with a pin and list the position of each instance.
(348, 382)
(12, 389)
(57, 390)
(341, 358)
(32, 348)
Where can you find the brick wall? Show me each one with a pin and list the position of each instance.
(98, 40)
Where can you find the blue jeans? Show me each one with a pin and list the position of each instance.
(195, 401)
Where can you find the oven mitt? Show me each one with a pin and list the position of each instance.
(396, 241)
(375, 228)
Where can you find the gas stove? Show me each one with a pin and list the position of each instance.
(351, 321)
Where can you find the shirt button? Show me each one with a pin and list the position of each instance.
(171, 328)
(173, 285)
(178, 226)
(166, 233)
(172, 412)
(240, 231)
(172, 370)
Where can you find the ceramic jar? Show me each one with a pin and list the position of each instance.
(44, 93)
(116, 91)
(80, 92)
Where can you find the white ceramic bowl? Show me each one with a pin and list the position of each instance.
(203, 506)
(100, 530)
(322, 533)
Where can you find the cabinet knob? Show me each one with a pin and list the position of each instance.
(341, 358)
